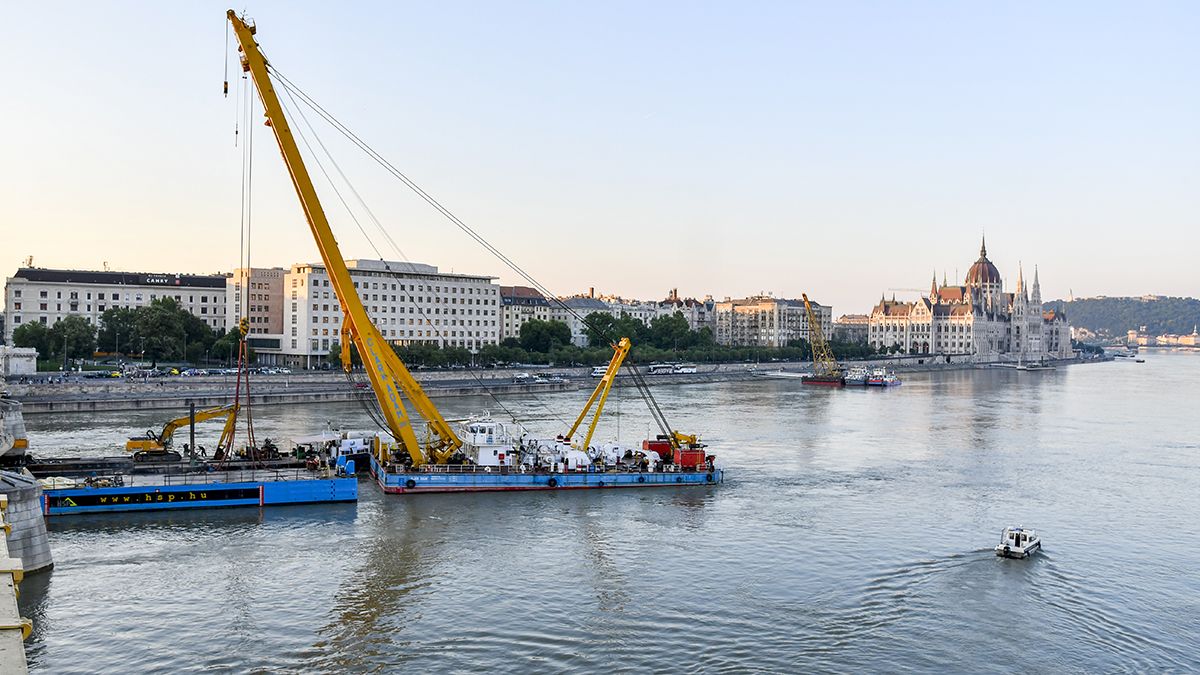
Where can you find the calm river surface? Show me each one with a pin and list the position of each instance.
(854, 533)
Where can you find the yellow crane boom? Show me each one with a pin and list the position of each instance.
(824, 364)
(600, 394)
(390, 379)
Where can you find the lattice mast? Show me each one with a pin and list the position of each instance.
(824, 364)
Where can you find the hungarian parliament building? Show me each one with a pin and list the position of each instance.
(978, 320)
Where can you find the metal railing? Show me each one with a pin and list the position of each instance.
(245, 476)
(523, 470)
(199, 478)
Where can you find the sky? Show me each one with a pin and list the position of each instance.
(725, 148)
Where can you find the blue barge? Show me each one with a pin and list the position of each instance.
(470, 478)
(199, 491)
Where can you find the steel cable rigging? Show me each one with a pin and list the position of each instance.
(639, 381)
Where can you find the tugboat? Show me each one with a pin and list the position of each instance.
(882, 378)
(1018, 542)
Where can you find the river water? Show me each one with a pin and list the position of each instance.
(854, 533)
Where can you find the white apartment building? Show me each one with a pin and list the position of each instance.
(698, 313)
(642, 310)
(763, 321)
(47, 295)
(408, 302)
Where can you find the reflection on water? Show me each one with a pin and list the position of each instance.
(854, 533)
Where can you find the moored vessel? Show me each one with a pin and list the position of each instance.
(857, 376)
(880, 377)
(826, 380)
(195, 490)
(498, 460)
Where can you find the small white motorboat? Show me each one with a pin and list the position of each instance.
(1018, 542)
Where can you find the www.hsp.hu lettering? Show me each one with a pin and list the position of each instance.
(155, 497)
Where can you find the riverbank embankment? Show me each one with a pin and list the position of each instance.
(73, 395)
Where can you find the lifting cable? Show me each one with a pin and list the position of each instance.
(371, 411)
(245, 104)
(639, 381)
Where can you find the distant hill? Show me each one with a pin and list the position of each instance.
(1113, 317)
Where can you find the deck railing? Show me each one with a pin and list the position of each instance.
(522, 470)
(199, 478)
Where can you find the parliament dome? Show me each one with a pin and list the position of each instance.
(983, 271)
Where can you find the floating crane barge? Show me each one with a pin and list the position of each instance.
(477, 454)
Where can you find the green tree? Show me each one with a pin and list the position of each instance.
(117, 329)
(75, 336)
(226, 347)
(425, 354)
(627, 326)
(160, 330)
(33, 334)
(671, 332)
(543, 336)
(599, 327)
(196, 351)
(196, 332)
(490, 355)
(456, 356)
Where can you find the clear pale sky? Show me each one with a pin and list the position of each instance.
(727, 148)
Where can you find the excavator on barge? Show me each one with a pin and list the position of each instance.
(477, 454)
(157, 446)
